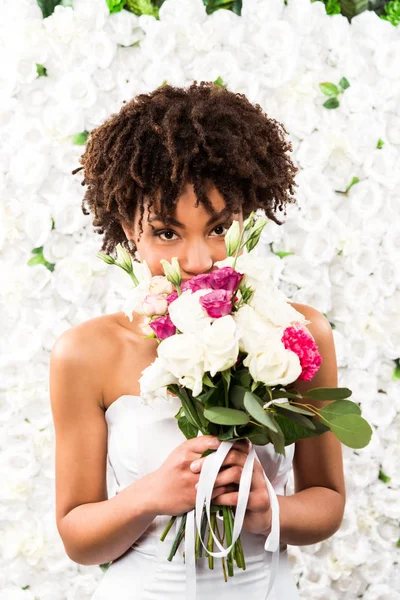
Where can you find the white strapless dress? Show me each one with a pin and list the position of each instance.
(140, 437)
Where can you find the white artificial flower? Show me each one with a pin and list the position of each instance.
(274, 365)
(183, 355)
(221, 345)
(186, 312)
(154, 378)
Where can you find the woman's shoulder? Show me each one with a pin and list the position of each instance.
(95, 346)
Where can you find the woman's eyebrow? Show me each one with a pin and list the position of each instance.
(172, 221)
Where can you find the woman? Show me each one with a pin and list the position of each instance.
(166, 176)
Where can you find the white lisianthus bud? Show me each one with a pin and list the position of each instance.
(232, 238)
(254, 233)
(123, 259)
(106, 257)
(172, 271)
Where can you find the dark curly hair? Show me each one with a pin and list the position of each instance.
(171, 136)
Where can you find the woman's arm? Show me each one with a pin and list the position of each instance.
(315, 511)
(94, 529)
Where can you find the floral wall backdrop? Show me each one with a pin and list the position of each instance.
(336, 87)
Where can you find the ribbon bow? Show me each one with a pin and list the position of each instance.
(211, 466)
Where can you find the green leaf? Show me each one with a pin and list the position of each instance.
(380, 144)
(80, 138)
(143, 7)
(283, 254)
(383, 477)
(297, 409)
(207, 381)
(339, 408)
(242, 378)
(278, 439)
(293, 431)
(47, 7)
(254, 408)
(331, 103)
(353, 181)
(219, 82)
(227, 435)
(396, 373)
(115, 6)
(329, 89)
(226, 378)
(285, 394)
(236, 396)
(323, 393)
(226, 416)
(298, 418)
(188, 430)
(344, 83)
(41, 70)
(352, 430)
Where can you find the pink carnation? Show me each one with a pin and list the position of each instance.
(301, 342)
(163, 327)
(217, 303)
(225, 278)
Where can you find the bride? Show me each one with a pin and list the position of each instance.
(165, 177)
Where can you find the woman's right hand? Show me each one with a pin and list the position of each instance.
(174, 482)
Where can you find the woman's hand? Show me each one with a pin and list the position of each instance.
(173, 483)
(258, 515)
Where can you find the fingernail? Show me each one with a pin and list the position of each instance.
(195, 466)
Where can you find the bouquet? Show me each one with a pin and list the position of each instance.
(229, 344)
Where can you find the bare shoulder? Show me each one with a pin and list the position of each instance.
(89, 347)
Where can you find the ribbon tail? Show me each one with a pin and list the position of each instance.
(190, 559)
(272, 541)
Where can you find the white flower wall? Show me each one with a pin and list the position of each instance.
(342, 242)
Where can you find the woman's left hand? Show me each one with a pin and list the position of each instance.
(258, 515)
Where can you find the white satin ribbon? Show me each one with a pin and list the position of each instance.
(210, 469)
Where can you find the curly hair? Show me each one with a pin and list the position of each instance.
(161, 140)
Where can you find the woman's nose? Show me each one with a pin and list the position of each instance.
(197, 259)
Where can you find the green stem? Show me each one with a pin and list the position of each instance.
(210, 542)
(203, 528)
(221, 541)
(228, 533)
(239, 248)
(179, 537)
(240, 548)
(168, 527)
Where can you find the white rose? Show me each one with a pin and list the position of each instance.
(272, 305)
(253, 331)
(154, 378)
(186, 312)
(183, 356)
(275, 365)
(160, 285)
(135, 300)
(221, 345)
(255, 268)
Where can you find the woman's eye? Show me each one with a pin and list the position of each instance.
(221, 229)
(168, 234)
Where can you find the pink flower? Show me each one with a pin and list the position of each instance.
(303, 344)
(163, 327)
(225, 278)
(199, 282)
(217, 303)
(155, 304)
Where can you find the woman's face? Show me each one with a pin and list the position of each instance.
(193, 236)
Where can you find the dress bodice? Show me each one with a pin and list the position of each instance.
(141, 436)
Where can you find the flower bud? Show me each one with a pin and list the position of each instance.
(106, 257)
(249, 222)
(254, 234)
(123, 259)
(172, 271)
(232, 238)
